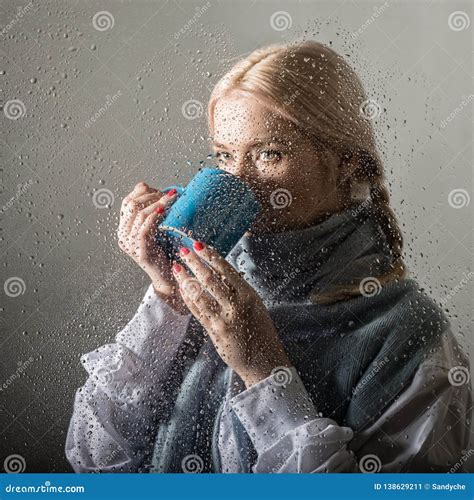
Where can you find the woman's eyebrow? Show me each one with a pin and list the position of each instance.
(218, 145)
(255, 142)
(268, 140)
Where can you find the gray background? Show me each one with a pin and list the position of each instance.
(79, 290)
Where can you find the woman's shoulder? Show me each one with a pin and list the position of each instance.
(448, 355)
(410, 304)
(413, 336)
(394, 306)
(398, 308)
(419, 310)
(408, 290)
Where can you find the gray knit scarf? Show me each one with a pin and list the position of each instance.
(354, 356)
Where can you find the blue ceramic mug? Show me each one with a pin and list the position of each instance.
(216, 207)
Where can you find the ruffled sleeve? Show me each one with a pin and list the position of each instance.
(112, 426)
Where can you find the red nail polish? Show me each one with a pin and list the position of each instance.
(159, 210)
(184, 251)
(177, 268)
(171, 192)
(198, 245)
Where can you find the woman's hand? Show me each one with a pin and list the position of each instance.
(141, 211)
(232, 313)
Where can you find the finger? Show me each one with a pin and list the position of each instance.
(129, 210)
(208, 278)
(142, 236)
(195, 310)
(128, 213)
(134, 234)
(132, 206)
(149, 229)
(219, 265)
(141, 188)
(156, 209)
(164, 202)
(194, 296)
(147, 199)
(141, 214)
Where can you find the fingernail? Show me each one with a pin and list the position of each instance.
(198, 245)
(184, 251)
(177, 268)
(171, 192)
(159, 210)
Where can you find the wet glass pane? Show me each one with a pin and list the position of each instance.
(236, 233)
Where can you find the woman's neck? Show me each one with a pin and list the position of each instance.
(294, 224)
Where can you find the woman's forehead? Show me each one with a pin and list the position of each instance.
(247, 107)
(247, 120)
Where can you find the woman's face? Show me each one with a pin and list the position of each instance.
(296, 184)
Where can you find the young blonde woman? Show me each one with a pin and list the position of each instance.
(307, 349)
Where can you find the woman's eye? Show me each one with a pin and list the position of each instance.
(222, 156)
(270, 155)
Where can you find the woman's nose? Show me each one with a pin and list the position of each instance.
(243, 166)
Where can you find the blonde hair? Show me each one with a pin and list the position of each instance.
(313, 87)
